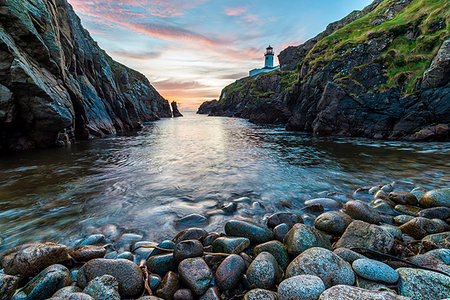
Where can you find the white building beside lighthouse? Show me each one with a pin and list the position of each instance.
(268, 63)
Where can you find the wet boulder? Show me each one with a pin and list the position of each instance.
(256, 233)
(422, 284)
(302, 237)
(420, 227)
(103, 287)
(264, 271)
(196, 274)
(340, 292)
(333, 222)
(230, 272)
(305, 287)
(435, 198)
(361, 211)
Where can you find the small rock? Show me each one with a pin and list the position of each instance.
(375, 270)
(190, 234)
(361, 234)
(31, 260)
(435, 198)
(422, 284)
(210, 238)
(66, 291)
(402, 219)
(290, 219)
(280, 231)
(348, 255)
(305, 287)
(127, 274)
(429, 262)
(94, 239)
(169, 245)
(256, 233)
(381, 195)
(421, 227)
(183, 294)
(161, 264)
(88, 252)
(125, 255)
(153, 281)
(333, 222)
(211, 294)
(103, 287)
(264, 271)
(442, 213)
(230, 208)
(323, 263)
(230, 272)
(302, 237)
(169, 286)
(260, 294)
(439, 239)
(8, 286)
(408, 210)
(326, 203)
(196, 274)
(126, 240)
(393, 230)
(230, 245)
(76, 296)
(46, 283)
(403, 197)
(277, 249)
(361, 211)
(346, 292)
(441, 254)
(187, 249)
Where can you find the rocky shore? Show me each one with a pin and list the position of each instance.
(382, 242)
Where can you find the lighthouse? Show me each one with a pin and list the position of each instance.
(268, 63)
(269, 57)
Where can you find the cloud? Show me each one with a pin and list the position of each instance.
(236, 11)
(233, 76)
(146, 55)
(172, 84)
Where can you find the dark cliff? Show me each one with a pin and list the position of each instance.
(57, 85)
(382, 72)
(175, 112)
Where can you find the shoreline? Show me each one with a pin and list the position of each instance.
(385, 244)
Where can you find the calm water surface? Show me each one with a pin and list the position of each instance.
(146, 181)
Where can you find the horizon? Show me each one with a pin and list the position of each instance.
(191, 63)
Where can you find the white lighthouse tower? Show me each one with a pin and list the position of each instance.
(268, 63)
(269, 57)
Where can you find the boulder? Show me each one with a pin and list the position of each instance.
(305, 287)
(104, 287)
(230, 272)
(345, 292)
(264, 271)
(302, 237)
(361, 211)
(256, 233)
(333, 222)
(196, 274)
(422, 284)
(436, 198)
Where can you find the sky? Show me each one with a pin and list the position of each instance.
(191, 49)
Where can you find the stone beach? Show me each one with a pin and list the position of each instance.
(382, 242)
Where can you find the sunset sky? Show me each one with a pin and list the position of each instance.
(191, 49)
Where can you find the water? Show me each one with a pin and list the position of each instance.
(146, 181)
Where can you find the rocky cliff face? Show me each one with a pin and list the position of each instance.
(378, 73)
(57, 85)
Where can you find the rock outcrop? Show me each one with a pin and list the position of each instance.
(57, 85)
(175, 112)
(380, 73)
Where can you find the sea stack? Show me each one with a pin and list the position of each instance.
(175, 112)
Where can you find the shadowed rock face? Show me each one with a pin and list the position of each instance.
(175, 112)
(57, 85)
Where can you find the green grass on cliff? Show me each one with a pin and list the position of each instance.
(413, 44)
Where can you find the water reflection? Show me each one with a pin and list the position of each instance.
(146, 180)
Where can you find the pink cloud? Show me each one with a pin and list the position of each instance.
(236, 11)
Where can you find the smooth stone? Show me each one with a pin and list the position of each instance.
(403, 197)
(125, 255)
(277, 249)
(230, 272)
(153, 281)
(87, 252)
(150, 298)
(127, 274)
(31, 260)
(348, 255)
(402, 219)
(305, 287)
(441, 254)
(94, 239)
(326, 203)
(260, 294)
(418, 192)
(190, 234)
(420, 227)
(125, 241)
(375, 270)
(408, 210)
(381, 195)
(288, 218)
(256, 233)
(142, 245)
(210, 238)
(429, 262)
(46, 283)
(387, 188)
(264, 271)
(346, 292)
(169, 245)
(393, 230)
(361, 211)
(161, 264)
(324, 264)
(421, 284)
(280, 231)
(66, 291)
(442, 213)
(363, 193)
(74, 296)
(370, 285)
(333, 222)
(439, 239)
(169, 286)
(103, 287)
(230, 207)
(384, 208)
(302, 237)
(8, 286)
(183, 294)
(230, 245)
(188, 249)
(196, 274)
(192, 220)
(211, 294)
(435, 198)
(362, 234)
